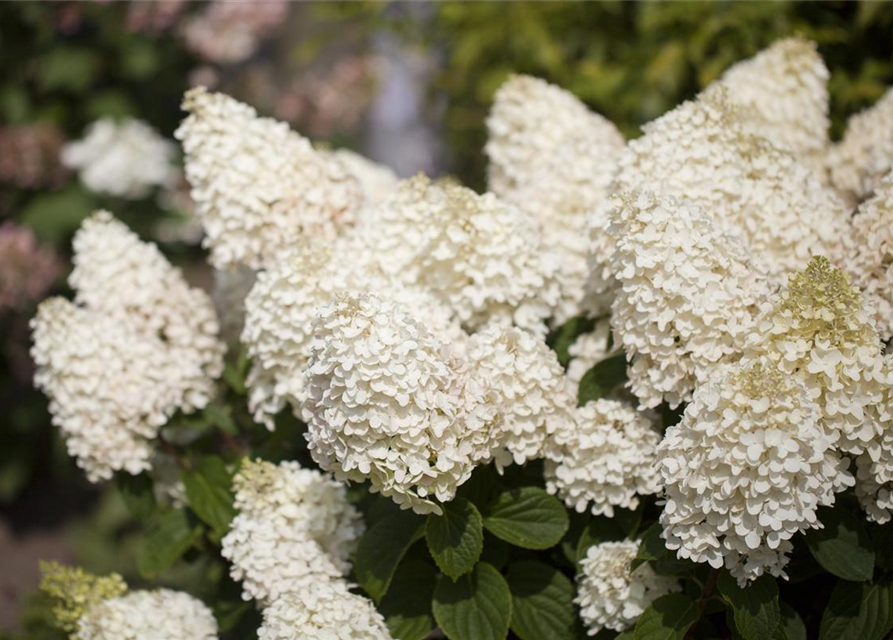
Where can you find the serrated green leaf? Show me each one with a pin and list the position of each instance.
(209, 490)
(667, 618)
(859, 611)
(478, 606)
(527, 517)
(843, 546)
(542, 602)
(455, 538)
(407, 606)
(791, 627)
(755, 608)
(382, 548)
(601, 379)
(137, 494)
(171, 536)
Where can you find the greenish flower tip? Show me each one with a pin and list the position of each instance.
(74, 591)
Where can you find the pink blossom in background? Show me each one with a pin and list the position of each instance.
(231, 31)
(153, 16)
(29, 155)
(27, 270)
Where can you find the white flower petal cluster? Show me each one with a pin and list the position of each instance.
(746, 469)
(552, 157)
(139, 346)
(865, 154)
(388, 402)
(871, 257)
(819, 329)
(148, 615)
(259, 186)
(124, 159)
(484, 259)
(603, 459)
(702, 151)
(782, 93)
(294, 527)
(687, 294)
(527, 384)
(874, 467)
(376, 180)
(323, 610)
(588, 349)
(610, 595)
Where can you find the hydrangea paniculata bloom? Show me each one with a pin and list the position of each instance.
(230, 31)
(686, 297)
(588, 349)
(874, 467)
(294, 527)
(149, 615)
(323, 610)
(123, 159)
(258, 186)
(376, 180)
(603, 459)
(73, 591)
(746, 469)
(610, 594)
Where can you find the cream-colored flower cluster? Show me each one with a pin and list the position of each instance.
(294, 527)
(874, 466)
(603, 459)
(137, 345)
(588, 349)
(610, 594)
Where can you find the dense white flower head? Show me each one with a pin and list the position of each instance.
(527, 384)
(294, 527)
(746, 469)
(865, 155)
(610, 594)
(783, 97)
(552, 157)
(819, 329)
(377, 181)
(124, 159)
(702, 151)
(603, 459)
(389, 403)
(871, 255)
(588, 349)
(259, 186)
(139, 346)
(323, 610)
(874, 467)
(148, 615)
(484, 259)
(686, 297)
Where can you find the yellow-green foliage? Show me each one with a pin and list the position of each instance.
(73, 591)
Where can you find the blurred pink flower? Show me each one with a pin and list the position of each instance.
(230, 31)
(27, 270)
(154, 16)
(29, 155)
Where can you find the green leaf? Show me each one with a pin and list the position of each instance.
(407, 606)
(220, 415)
(859, 611)
(171, 536)
(455, 538)
(527, 517)
(382, 548)
(882, 539)
(791, 627)
(209, 489)
(229, 613)
(842, 547)
(478, 606)
(600, 529)
(542, 602)
(68, 68)
(55, 216)
(137, 493)
(755, 608)
(602, 378)
(563, 337)
(667, 618)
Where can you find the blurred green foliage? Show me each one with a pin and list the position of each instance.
(634, 61)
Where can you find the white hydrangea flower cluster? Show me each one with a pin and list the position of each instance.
(484, 259)
(139, 346)
(295, 527)
(783, 95)
(686, 298)
(123, 159)
(865, 154)
(376, 180)
(746, 469)
(874, 467)
(871, 258)
(820, 330)
(552, 157)
(610, 594)
(148, 615)
(588, 349)
(259, 186)
(323, 610)
(603, 459)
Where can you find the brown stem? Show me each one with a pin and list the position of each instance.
(234, 445)
(170, 450)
